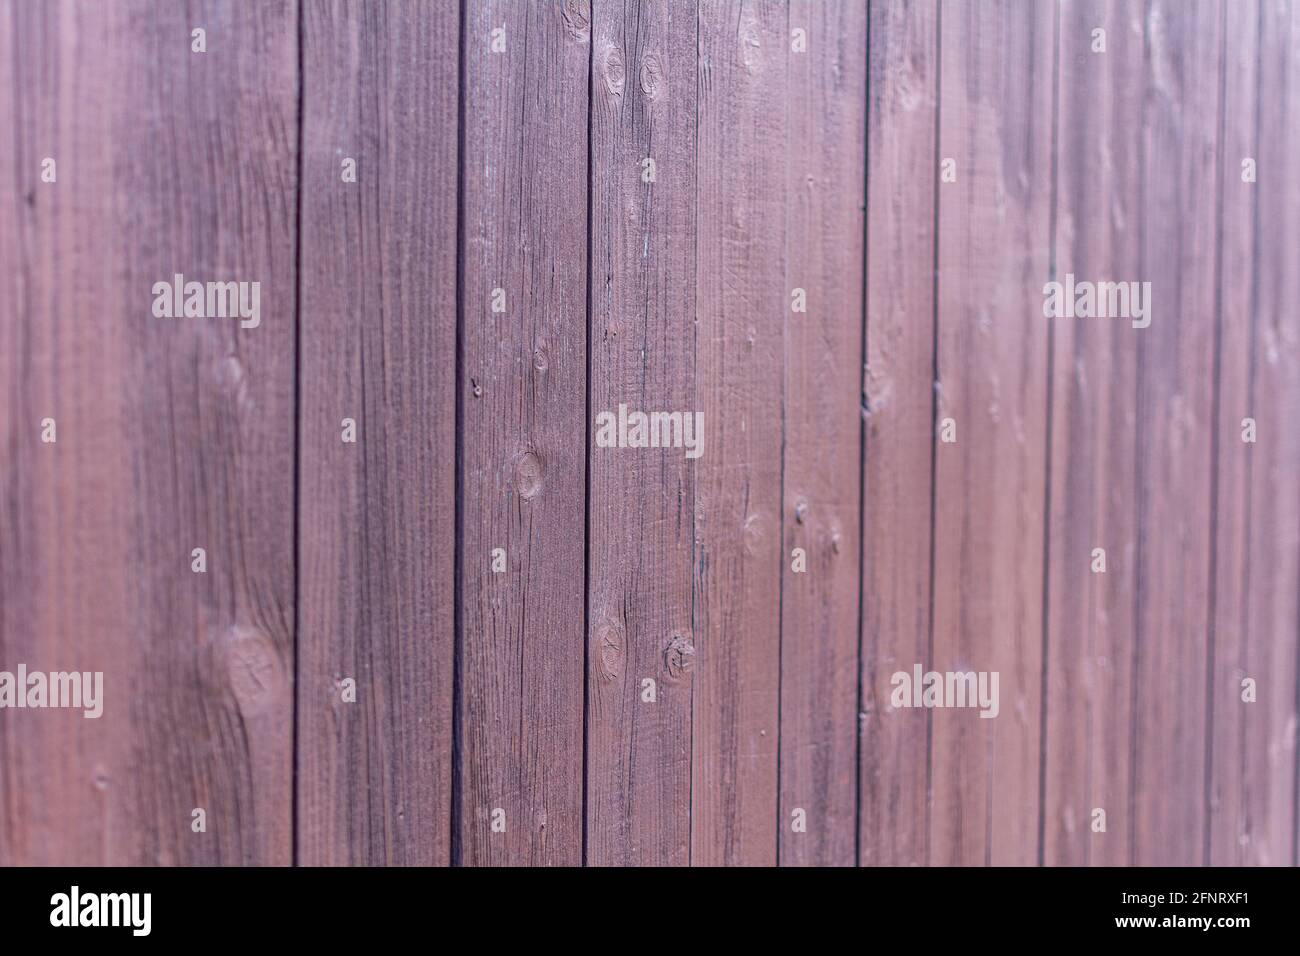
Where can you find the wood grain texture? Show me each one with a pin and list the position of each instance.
(1175, 424)
(1230, 752)
(377, 517)
(1094, 389)
(742, 304)
(522, 432)
(1274, 624)
(172, 434)
(995, 120)
(501, 272)
(641, 513)
(898, 398)
(1252, 758)
(822, 457)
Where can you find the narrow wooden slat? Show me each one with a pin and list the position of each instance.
(377, 517)
(1275, 590)
(995, 122)
(1094, 390)
(898, 400)
(742, 305)
(1252, 759)
(642, 508)
(1230, 752)
(823, 433)
(1174, 428)
(172, 433)
(522, 432)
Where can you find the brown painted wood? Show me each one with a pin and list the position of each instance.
(1174, 435)
(377, 517)
(522, 433)
(995, 120)
(822, 458)
(1094, 388)
(1230, 749)
(172, 434)
(1252, 757)
(1274, 625)
(898, 416)
(642, 510)
(741, 307)
(522, 690)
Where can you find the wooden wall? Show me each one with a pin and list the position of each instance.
(433, 644)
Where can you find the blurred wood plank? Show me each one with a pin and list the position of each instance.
(995, 121)
(1252, 758)
(172, 433)
(1179, 219)
(1094, 391)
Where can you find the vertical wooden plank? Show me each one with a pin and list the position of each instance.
(522, 431)
(742, 304)
(823, 433)
(898, 400)
(172, 433)
(642, 507)
(1174, 426)
(1253, 759)
(1274, 625)
(1230, 752)
(1094, 387)
(377, 516)
(995, 122)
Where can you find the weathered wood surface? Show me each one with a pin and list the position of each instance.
(641, 512)
(741, 305)
(822, 457)
(522, 433)
(377, 520)
(171, 433)
(506, 152)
